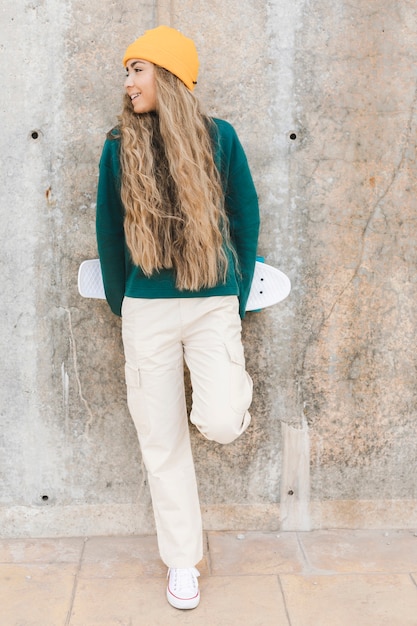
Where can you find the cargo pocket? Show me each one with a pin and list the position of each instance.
(240, 382)
(136, 400)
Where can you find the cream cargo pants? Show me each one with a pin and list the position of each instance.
(157, 336)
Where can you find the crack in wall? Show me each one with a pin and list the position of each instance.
(65, 396)
(395, 173)
(375, 207)
(73, 349)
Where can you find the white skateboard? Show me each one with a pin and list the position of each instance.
(269, 285)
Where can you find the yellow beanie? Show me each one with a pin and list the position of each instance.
(170, 49)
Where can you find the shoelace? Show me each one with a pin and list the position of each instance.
(184, 580)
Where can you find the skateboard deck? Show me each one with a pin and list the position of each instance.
(269, 284)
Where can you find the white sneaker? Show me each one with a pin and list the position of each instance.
(182, 589)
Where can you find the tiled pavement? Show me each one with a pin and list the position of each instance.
(321, 578)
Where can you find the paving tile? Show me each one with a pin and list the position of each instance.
(125, 557)
(36, 594)
(346, 599)
(254, 601)
(360, 550)
(62, 550)
(254, 553)
(242, 600)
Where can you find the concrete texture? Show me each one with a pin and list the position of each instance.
(324, 100)
(250, 579)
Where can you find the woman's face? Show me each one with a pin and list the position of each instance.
(140, 85)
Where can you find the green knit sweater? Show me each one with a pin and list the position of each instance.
(122, 278)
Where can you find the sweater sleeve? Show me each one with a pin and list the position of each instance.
(243, 212)
(109, 227)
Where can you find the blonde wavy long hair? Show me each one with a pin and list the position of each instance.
(171, 189)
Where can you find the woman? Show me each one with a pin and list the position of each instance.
(177, 230)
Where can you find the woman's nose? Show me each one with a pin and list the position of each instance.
(128, 80)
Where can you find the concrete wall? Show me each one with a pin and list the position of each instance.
(323, 96)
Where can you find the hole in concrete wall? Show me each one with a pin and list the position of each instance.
(290, 493)
(45, 498)
(35, 135)
(293, 136)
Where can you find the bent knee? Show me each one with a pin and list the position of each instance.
(224, 430)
